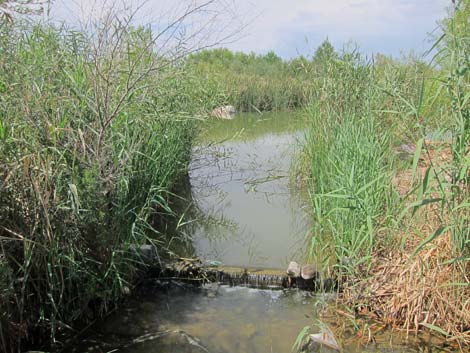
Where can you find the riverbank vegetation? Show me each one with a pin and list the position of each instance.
(95, 130)
(258, 83)
(387, 172)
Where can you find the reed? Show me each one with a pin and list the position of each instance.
(396, 232)
(95, 130)
(253, 83)
(348, 156)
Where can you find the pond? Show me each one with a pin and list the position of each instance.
(246, 214)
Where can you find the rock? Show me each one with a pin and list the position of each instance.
(323, 342)
(309, 272)
(224, 112)
(309, 278)
(406, 151)
(293, 270)
(147, 253)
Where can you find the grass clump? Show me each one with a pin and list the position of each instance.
(95, 130)
(348, 156)
(396, 232)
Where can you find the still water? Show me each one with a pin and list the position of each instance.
(245, 214)
(241, 185)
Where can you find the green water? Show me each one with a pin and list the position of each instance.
(251, 217)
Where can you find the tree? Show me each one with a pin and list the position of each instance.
(324, 53)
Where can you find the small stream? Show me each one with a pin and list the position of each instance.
(246, 215)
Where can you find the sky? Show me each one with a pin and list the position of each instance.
(288, 27)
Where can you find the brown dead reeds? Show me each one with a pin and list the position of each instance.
(425, 291)
(429, 289)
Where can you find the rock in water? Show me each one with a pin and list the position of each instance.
(293, 270)
(309, 272)
(324, 338)
(224, 112)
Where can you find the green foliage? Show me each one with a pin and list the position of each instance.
(451, 177)
(254, 83)
(349, 160)
(324, 55)
(92, 142)
(359, 112)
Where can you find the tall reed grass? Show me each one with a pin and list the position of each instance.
(349, 160)
(95, 130)
(253, 83)
(397, 231)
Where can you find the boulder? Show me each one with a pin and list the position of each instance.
(224, 112)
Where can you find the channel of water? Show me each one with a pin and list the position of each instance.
(247, 215)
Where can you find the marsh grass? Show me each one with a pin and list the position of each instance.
(349, 157)
(396, 232)
(253, 83)
(94, 132)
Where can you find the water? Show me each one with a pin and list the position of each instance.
(219, 319)
(177, 318)
(246, 215)
(251, 217)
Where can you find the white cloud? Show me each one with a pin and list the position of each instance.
(341, 20)
(283, 24)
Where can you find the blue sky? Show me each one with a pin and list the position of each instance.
(293, 27)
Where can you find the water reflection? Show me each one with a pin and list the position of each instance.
(242, 187)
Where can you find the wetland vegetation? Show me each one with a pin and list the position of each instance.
(98, 128)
